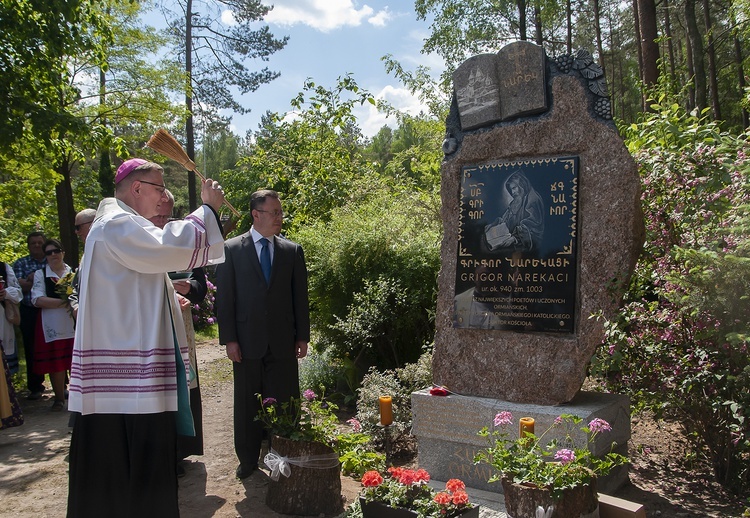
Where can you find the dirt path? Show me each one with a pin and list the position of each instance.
(34, 462)
(34, 479)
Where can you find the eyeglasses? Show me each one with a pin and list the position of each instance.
(53, 251)
(273, 213)
(78, 227)
(161, 187)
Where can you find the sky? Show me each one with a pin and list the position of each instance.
(327, 40)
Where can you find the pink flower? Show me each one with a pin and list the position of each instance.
(269, 401)
(565, 456)
(309, 395)
(503, 419)
(599, 425)
(355, 424)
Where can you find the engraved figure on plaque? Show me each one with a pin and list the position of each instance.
(521, 227)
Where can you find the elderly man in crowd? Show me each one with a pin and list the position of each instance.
(24, 269)
(129, 373)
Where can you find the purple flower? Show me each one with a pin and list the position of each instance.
(356, 425)
(309, 395)
(599, 425)
(558, 420)
(211, 320)
(269, 401)
(565, 456)
(503, 418)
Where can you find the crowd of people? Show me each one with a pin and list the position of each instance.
(115, 337)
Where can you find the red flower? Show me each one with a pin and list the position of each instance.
(439, 391)
(442, 498)
(407, 477)
(460, 498)
(454, 485)
(371, 479)
(422, 475)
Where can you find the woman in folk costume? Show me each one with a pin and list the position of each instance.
(10, 292)
(55, 325)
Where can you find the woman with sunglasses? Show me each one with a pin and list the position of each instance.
(55, 326)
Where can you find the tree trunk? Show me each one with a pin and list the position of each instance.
(189, 129)
(639, 51)
(569, 21)
(689, 80)
(307, 491)
(538, 23)
(711, 51)
(741, 75)
(696, 46)
(598, 29)
(521, 4)
(670, 43)
(66, 214)
(522, 501)
(649, 46)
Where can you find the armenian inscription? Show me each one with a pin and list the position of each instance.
(517, 246)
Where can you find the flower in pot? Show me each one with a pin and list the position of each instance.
(305, 469)
(405, 493)
(552, 474)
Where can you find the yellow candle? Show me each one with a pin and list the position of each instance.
(525, 424)
(386, 410)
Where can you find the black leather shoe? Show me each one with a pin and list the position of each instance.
(245, 471)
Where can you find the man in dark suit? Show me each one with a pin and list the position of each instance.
(264, 320)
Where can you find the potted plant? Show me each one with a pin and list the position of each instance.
(305, 469)
(404, 493)
(553, 475)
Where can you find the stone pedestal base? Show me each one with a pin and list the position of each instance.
(446, 430)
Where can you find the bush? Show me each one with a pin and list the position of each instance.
(203, 312)
(319, 372)
(373, 271)
(399, 384)
(680, 345)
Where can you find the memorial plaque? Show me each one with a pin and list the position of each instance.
(517, 246)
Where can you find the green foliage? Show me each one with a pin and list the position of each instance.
(680, 345)
(319, 370)
(399, 384)
(308, 418)
(555, 464)
(36, 87)
(373, 270)
(311, 160)
(357, 455)
(27, 191)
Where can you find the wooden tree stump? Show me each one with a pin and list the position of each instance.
(522, 501)
(307, 491)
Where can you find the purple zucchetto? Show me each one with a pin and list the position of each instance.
(127, 167)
